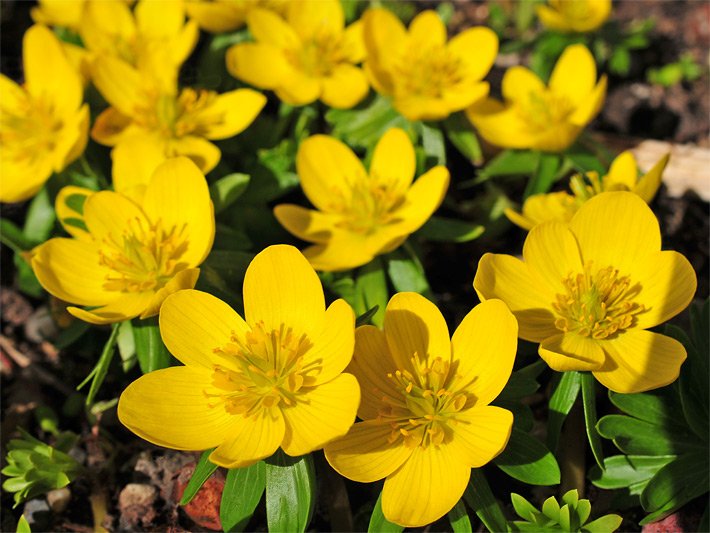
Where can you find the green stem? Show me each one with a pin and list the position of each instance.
(573, 451)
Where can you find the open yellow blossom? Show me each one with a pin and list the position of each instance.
(126, 258)
(308, 56)
(110, 28)
(426, 418)
(622, 176)
(219, 16)
(540, 117)
(150, 120)
(579, 16)
(588, 291)
(360, 215)
(427, 78)
(43, 124)
(249, 386)
(64, 13)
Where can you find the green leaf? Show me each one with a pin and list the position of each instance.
(509, 163)
(459, 520)
(524, 508)
(40, 218)
(23, 526)
(225, 191)
(378, 522)
(677, 483)
(479, 497)
(371, 290)
(366, 317)
(620, 61)
(290, 492)
(126, 345)
(441, 229)
(522, 382)
(460, 132)
(12, 237)
(203, 470)
(589, 401)
(565, 391)
(659, 407)
(622, 471)
(551, 509)
(242, 493)
(545, 175)
(633, 436)
(433, 143)
(605, 524)
(231, 264)
(406, 272)
(528, 460)
(152, 353)
(98, 374)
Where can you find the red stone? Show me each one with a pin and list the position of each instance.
(204, 507)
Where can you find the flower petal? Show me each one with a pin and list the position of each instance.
(185, 279)
(321, 415)
(169, 408)
(178, 196)
(425, 487)
(569, 351)
(250, 439)
(333, 347)
(668, 283)
(365, 454)
(484, 347)
(623, 173)
(414, 327)
(422, 200)
(509, 279)
(135, 159)
(71, 270)
(194, 323)
(590, 106)
(160, 20)
(394, 161)
(552, 254)
(574, 75)
(313, 17)
(282, 289)
(551, 18)
(648, 185)
(481, 39)
(299, 88)
(371, 363)
(202, 152)
(236, 111)
(126, 306)
(327, 169)
(639, 360)
(307, 224)
(111, 127)
(345, 250)
(616, 229)
(427, 29)
(480, 434)
(345, 87)
(383, 34)
(500, 124)
(119, 83)
(258, 64)
(269, 28)
(519, 83)
(69, 199)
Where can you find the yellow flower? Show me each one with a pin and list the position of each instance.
(561, 206)
(426, 418)
(360, 215)
(65, 13)
(426, 77)
(251, 386)
(150, 120)
(109, 28)
(43, 124)
(126, 258)
(580, 16)
(588, 291)
(540, 117)
(308, 56)
(219, 16)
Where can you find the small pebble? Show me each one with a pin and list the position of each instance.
(58, 499)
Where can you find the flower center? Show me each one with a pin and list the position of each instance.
(30, 130)
(597, 303)
(544, 110)
(319, 55)
(426, 411)
(371, 203)
(144, 257)
(426, 71)
(176, 116)
(261, 370)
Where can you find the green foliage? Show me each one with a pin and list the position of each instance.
(528, 460)
(663, 433)
(685, 69)
(479, 497)
(203, 470)
(571, 516)
(34, 467)
(378, 522)
(242, 492)
(290, 492)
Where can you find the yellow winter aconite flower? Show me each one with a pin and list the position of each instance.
(308, 56)
(126, 258)
(110, 28)
(65, 13)
(360, 214)
(622, 176)
(249, 386)
(426, 418)
(574, 15)
(150, 119)
(43, 124)
(219, 16)
(540, 117)
(588, 291)
(427, 78)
